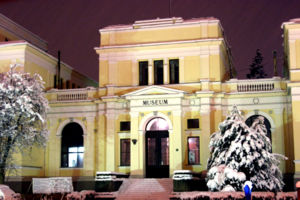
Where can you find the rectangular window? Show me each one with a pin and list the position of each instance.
(61, 84)
(125, 152)
(68, 83)
(193, 151)
(193, 123)
(158, 72)
(174, 71)
(73, 86)
(125, 126)
(143, 72)
(72, 157)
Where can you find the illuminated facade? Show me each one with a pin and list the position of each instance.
(164, 86)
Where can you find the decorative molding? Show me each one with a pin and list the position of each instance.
(192, 131)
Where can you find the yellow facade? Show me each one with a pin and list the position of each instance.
(132, 89)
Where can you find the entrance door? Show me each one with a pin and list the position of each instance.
(157, 154)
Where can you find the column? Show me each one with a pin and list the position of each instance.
(176, 143)
(52, 157)
(205, 131)
(166, 71)
(110, 139)
(89, 147)
(135, 72)
(136, 169)
(295, 93)
(150, 72)
(278, 136)
(181, 70)
(112, 72)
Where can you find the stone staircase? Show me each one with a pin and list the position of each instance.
(145, 189)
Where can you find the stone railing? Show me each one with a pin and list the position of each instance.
(69, 95)
(254, 87)
(72, 96)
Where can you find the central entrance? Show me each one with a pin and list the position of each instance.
(157, 149)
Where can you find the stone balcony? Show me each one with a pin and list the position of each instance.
(71, 95)
(255, 85)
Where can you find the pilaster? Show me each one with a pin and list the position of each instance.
(135, 150)
(89, 146)
(166, 71)
(176, 143)
(150, 72)
(181, 70)
(110, 141)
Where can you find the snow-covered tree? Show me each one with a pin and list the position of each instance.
(22, 115)
(239, 154)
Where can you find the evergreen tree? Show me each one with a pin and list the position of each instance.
(240, 153)
(256, 68)
(22, 116)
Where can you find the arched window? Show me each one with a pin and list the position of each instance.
(72, 146)
(251, 119)
(157, 124)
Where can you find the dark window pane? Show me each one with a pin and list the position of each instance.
(125, 152)
(72, 146)
(151, 151)
(73, 85)
(143, 73)
(193, 151)
(193, 123)
(164, 151)
(158, 72)
(124, 126)
(174, 71)
(68, 84)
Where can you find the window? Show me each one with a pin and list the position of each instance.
(143, 72)
(72, 149)
(174, 71)
(73, 86)
(125, 126)
(68, 84)
(125, 152)
(193, 123)
(61, 84)
(193, 151)
(158, 72)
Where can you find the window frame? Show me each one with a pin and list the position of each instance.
(143, 80)
(123, 163)
(198, 150)
(156, 70)
(176, 75)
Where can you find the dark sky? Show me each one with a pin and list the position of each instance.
(72, 26)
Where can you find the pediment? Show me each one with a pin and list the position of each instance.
(154, 91)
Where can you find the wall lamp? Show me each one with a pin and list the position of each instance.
(134, 141)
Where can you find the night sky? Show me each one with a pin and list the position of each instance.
(73, 26)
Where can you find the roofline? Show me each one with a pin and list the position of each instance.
(159, 23)
(291, 21)
(20, 32)
(22, 42)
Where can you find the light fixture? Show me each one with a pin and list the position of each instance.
(134, 141)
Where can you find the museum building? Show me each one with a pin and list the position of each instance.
(164, 87)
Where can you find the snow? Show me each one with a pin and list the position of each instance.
(240, 153)
(23, 113)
